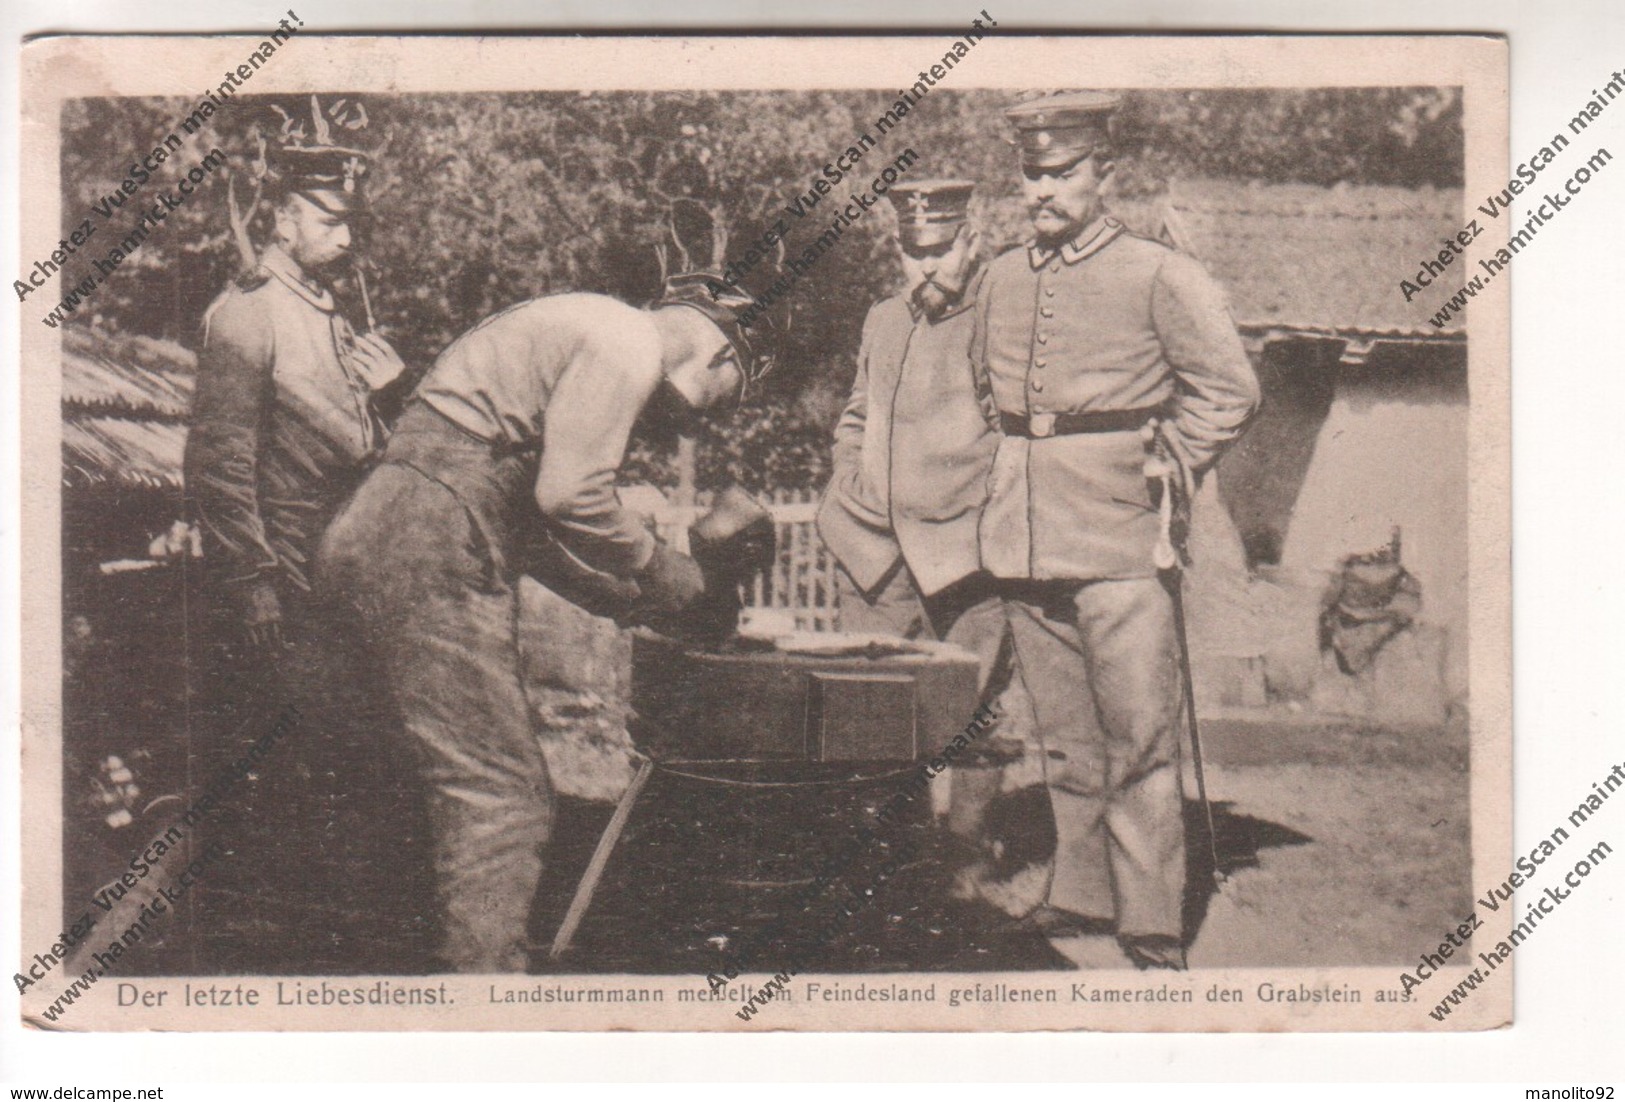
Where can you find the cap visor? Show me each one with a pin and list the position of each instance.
(927, 237)
(337, 202)
(1054, 157)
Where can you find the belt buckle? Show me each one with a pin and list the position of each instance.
(1040, 425)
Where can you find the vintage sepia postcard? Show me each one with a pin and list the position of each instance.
(950, 532)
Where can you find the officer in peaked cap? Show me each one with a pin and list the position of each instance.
(913, 447)
(1056, 131)
(930, 213)
(1099, 347)
(284, 375)
(330, 176)
(283, 426)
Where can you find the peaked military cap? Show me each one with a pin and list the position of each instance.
(930, 212)
(723, 303)
(1057, 130)
(331, 176)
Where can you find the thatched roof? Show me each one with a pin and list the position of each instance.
(125, 375)
(1307, 259)
(124, 406)
(98, 452)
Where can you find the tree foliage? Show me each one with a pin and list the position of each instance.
(485, 200)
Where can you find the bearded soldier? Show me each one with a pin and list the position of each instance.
(1101, 350)
(283, 422)
(913, 447)
(283, 425)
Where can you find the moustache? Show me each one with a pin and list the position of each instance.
(336, 262)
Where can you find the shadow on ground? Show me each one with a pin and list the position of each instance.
(704, 866)
(1237, 842)
(1340, 844)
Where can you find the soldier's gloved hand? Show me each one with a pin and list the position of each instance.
(262, 617)
(736, 539)
(376, 360)
(669, 583)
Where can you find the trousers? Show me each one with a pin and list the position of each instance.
(416, 556)
(968, 613)
(1100, 661)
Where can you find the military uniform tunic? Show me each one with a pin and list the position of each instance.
(1107, 323)
(911, 458)
(912, 451)
(281, 428)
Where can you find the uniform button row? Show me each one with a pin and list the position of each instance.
(1043, 338)
(1045, 312)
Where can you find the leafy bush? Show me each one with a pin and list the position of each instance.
(484, 200)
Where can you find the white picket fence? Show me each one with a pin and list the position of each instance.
(799, 593)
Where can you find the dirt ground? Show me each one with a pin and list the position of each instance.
(1344, 845)
(1341, 844)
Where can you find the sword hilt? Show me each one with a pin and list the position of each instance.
(1159, 466)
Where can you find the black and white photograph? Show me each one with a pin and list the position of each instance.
(957, 532)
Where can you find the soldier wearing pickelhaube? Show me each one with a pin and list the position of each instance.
(913, 447)
(1101, 350)
(283, 424)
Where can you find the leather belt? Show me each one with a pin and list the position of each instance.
(420, 415)
(1041, 425)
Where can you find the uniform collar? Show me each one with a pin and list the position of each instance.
(1089, 241)
(292, 276)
